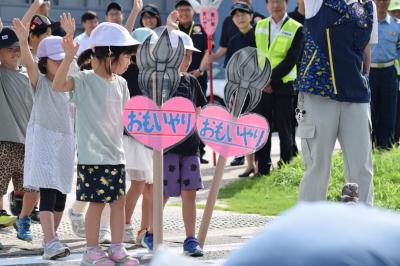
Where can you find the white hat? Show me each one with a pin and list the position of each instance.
(51, 47)
(187, 41)
(111, 34)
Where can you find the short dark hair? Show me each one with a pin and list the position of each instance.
(159, 23)
(88, 15)
(42, 65)
(102, 52)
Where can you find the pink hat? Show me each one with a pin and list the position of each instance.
(51, 47)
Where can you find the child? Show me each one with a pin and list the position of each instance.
(50, 153)
(16, 100)
(100, 96)
(139, 159)
(182, 175)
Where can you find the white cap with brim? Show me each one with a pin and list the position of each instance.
(174, 36)
(111, 34)
(51, 47)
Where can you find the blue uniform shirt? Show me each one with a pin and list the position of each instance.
(388, 47)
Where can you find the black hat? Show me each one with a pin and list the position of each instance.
(242, 6)
(39, 24)
(183, 3)
(150, 8)
(113, 5)
(8, 38)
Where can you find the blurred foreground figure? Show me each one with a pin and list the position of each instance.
(326, 234)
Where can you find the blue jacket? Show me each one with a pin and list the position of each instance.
(334, 51)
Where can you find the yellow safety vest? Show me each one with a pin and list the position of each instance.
(397, 66)
(277, 51)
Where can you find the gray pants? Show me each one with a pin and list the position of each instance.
(325, 121)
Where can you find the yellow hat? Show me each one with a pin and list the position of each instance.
(394, 5)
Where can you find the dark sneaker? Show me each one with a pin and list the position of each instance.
(238, 161)
(15, 203)
(35, 215)
(147, 241)
(350, 193)
(6, 219)
(191, 247)
(24, 229)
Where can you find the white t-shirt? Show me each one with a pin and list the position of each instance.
(313, 6)
(83, 40)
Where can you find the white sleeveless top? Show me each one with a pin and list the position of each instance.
(50, 142)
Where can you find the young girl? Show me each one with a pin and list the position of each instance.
(100, 96)
(50, 153)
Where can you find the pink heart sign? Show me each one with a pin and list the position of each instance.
(218, 129)
(209, 19)
(156, 127)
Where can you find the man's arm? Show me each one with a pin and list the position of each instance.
(367, 59)
(291, 58)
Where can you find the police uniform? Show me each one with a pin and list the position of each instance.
(334, 95)
(282, 43)
(383, 82)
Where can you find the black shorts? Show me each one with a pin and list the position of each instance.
(100, 183)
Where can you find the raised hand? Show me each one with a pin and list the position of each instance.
(172, 19)
(39, 2)
(68, 23)
(137, 6)
(69, 46)
(20, 30)
(1, 25)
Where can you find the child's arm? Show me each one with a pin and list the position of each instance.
(61, 82)
(31, 11)
(1, 25)
(68, 23)
(23, 34)
(130, 22)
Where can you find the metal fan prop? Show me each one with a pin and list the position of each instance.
(235, 133)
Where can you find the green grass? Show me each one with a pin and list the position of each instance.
(270, 195)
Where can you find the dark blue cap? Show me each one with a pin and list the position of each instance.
(8, 38)
(242, 6)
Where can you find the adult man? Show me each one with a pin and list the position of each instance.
(394, 11)
(199, 38)
(383, 78)
(334, 95)
(281, 39)
(89, 21)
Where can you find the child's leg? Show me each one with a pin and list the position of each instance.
(132, 196)
(92, 223)
(79, 207)
(59, 209)
(105, 218)
(30, 200)
(189, 211)
(147, 208)
(117, 220)
(46, 207)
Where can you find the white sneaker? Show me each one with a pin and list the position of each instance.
(129, 236)
(104, 236)
(55, 250)
(78, 223)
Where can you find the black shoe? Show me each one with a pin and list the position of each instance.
(15, 203)
(350, 192)
(35, 215)
(238, 161)
(203, 161)
(246, 174)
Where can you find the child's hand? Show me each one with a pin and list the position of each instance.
(20, 30)
(1, 25)
(69, 46)
(68, 23)
(172, 18)
(137, 6)
(38, 2)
